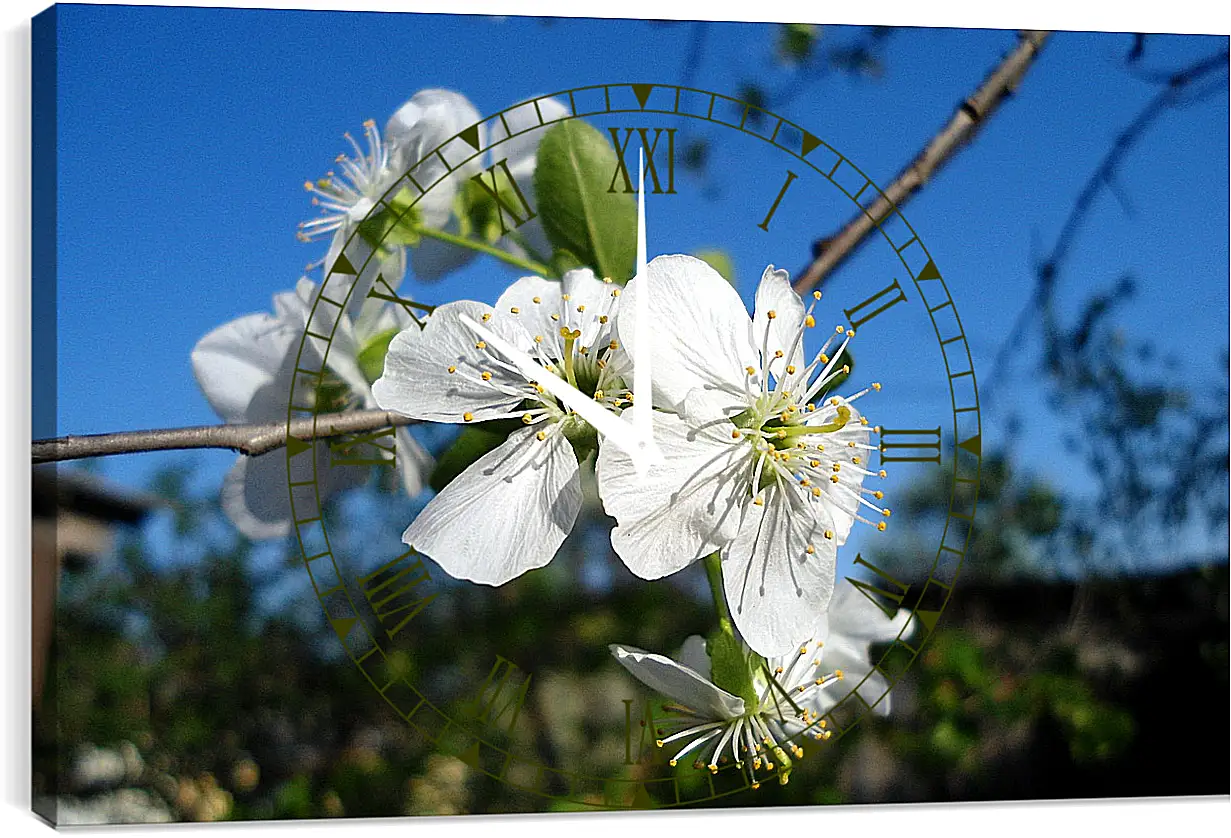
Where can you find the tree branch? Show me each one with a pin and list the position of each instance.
(1176, 85)
(246, 439)
(970, 116)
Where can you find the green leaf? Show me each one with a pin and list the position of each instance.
(372, 355)
(575, 166)
(473, 442)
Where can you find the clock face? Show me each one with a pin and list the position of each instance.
(590, 741)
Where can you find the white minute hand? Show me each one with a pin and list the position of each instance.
(600, 418)
(643, 404)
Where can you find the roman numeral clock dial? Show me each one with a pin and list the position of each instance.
(867, 392)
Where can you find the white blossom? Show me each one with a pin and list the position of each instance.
(757, 466)
(793, 691)
(246, 369)
(508, 512)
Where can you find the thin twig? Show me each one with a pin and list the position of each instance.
(970, 116)
(246, 439)
(1101, 178)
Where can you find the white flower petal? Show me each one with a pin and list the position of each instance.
(589, 301)
(427, 120)
(388, 265)
(695, 656)
(855, 617)
(701, 337)
(413, 461)
(685, 507)
(522, 154)
(417, 382)
(504, 515)
(852, 659)
(522, 149)
(775, 294)
(679, 683)
(236, 359)
(535, 317)
(256, 495)
(776, 590)
(432, 259)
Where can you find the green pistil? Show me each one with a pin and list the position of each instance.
(570, 337)
(844, 416)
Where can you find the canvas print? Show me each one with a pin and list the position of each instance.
(442, 415)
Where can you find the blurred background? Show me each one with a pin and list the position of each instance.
(187, 674)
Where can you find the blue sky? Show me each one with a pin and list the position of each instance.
(185, 136)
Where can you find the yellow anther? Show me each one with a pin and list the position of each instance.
(835, 401)
(771, 314)
(876, 385)
(846, 368)
(541, 435)
(837, 467)
(452, 370)
(756, 786)
(777, 353)
(878, 494)
(886, 512)
(750, 370)
(809, 321)
(598, 395)
(603, 319)
(816, 295)
(810, 550)
(481, 345)
(566, 297)
(778, 671)
(584, 350)
(839, 674)
(538, 388)
(882, 473)
(855, 460)
(833, 478)
(485, 375)
(672, 763)
(537, 300)
(658, 742)
(790, 370)
(838, 330)
(816, 491)
(880, 526)
(527, 418)
(735, 434)
(615, 344)
(758, 502)
(713, 768)
(580, 309)
(515, 310)
(805, 482)
(555, 317)
(615, 292)
(863, 420)
(607, 280)
(850, 333)
(538, 338)
(829, 534)
(811, 407)
(487, 315)
(468, 416)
